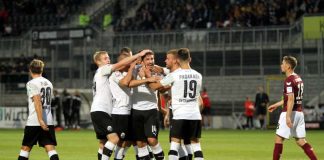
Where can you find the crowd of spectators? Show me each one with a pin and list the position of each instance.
(19, 15)
(15, 66)
(169, 15)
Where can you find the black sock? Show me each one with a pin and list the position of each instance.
(151, 155)
(107, 152)
(261, 123)
(22, 158)
(189, 156)
(184, 158)
(159, 156)
(137, 158)
(54, 157)
(198, 154)
(145, 158)
(99, 156)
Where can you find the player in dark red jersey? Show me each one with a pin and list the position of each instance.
(291, 120)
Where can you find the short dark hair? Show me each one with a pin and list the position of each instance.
(36, 66)
(146, 54)
(292, 61)
(184, 54)
(125, 50)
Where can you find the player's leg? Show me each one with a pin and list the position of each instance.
(183, 154)
(299, 133)
(52, 154)
(176, 133)
(24, 152)
(174, 148)
(193, 132)
(31, 135)
(283, 132)
(277, 151)
(109, 146)
(101, 146)
(187, 144)
(139, 134)
(308, 149)
(151, 127)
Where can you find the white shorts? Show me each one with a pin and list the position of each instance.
(298, 129)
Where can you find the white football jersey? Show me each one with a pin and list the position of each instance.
(143, 97)
(186, 85)
(43, 87)
(102, 97)
(121, 95)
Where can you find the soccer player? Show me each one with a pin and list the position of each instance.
(40, 126)
(145, 111)
(186, 101)
(102, 102)
(291, 121)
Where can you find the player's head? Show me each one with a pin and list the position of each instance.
(171, 58)
(121, 57)
(184, 55)
(148, 59)
(126, 51)
(101, 58)
(289, 63)
(36, 66)
(260, 89)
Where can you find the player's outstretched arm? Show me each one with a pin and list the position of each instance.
(39, 112)
(129, 60)
(273, 107)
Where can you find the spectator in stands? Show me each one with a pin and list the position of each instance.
(249, 111)
(76, 105)
(206, 113)
(56, 108)
(261, 104)
(67, 109)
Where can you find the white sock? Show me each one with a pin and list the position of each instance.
(174, 147)
(24, 154)
(156, 149)
(142, 152)
(196, 147)
(100, 151)
(51, 153)
(119, 152)
(109, 146)
(182, 151)
(188, 148)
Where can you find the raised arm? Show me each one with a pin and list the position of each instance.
(124, 82)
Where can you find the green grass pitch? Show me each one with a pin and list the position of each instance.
(216, 145)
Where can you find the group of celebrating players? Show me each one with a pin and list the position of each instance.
(126, 102)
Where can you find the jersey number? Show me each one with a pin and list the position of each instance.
(190, 89)
(300, 91)
(46, 96)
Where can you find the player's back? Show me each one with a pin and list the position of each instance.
(102, 97)
(294, 85)
(43, 87)
(185, 93)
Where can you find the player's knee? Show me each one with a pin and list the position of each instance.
(300, 142)
(113, 138)
(152, 141)
(26, 148)
(194, 140)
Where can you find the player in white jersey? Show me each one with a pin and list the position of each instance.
(186, 101)
(39, 127)
(145, 111)
(102, 101)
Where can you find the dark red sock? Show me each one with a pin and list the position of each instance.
(309, 151)
(277, 151)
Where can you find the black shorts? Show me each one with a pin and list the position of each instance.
(102, 124)
(261, 110)
(122, 126)
(206, 111)
(185, 129)
(34, 134)
(145, 124)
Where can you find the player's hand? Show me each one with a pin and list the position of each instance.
(288, 122)
(154, 79)
(141, 72)
(147, 71)
(157, 69)
(271, 108)
(166, 121)
(43, 125)
(132, 65)
(143, 52)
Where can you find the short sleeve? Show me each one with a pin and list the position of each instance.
(106, 70)
(117, 76)
(32, 90)
(166, 71)
(289, 86)
(167, 80)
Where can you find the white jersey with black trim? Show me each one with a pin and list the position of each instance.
(44, 88)
(121, 95)
(186, 85)
(102, 97)
(143, 97)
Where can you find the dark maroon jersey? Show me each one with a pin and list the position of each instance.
(293, 85)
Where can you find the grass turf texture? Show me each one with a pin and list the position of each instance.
(216, 145)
